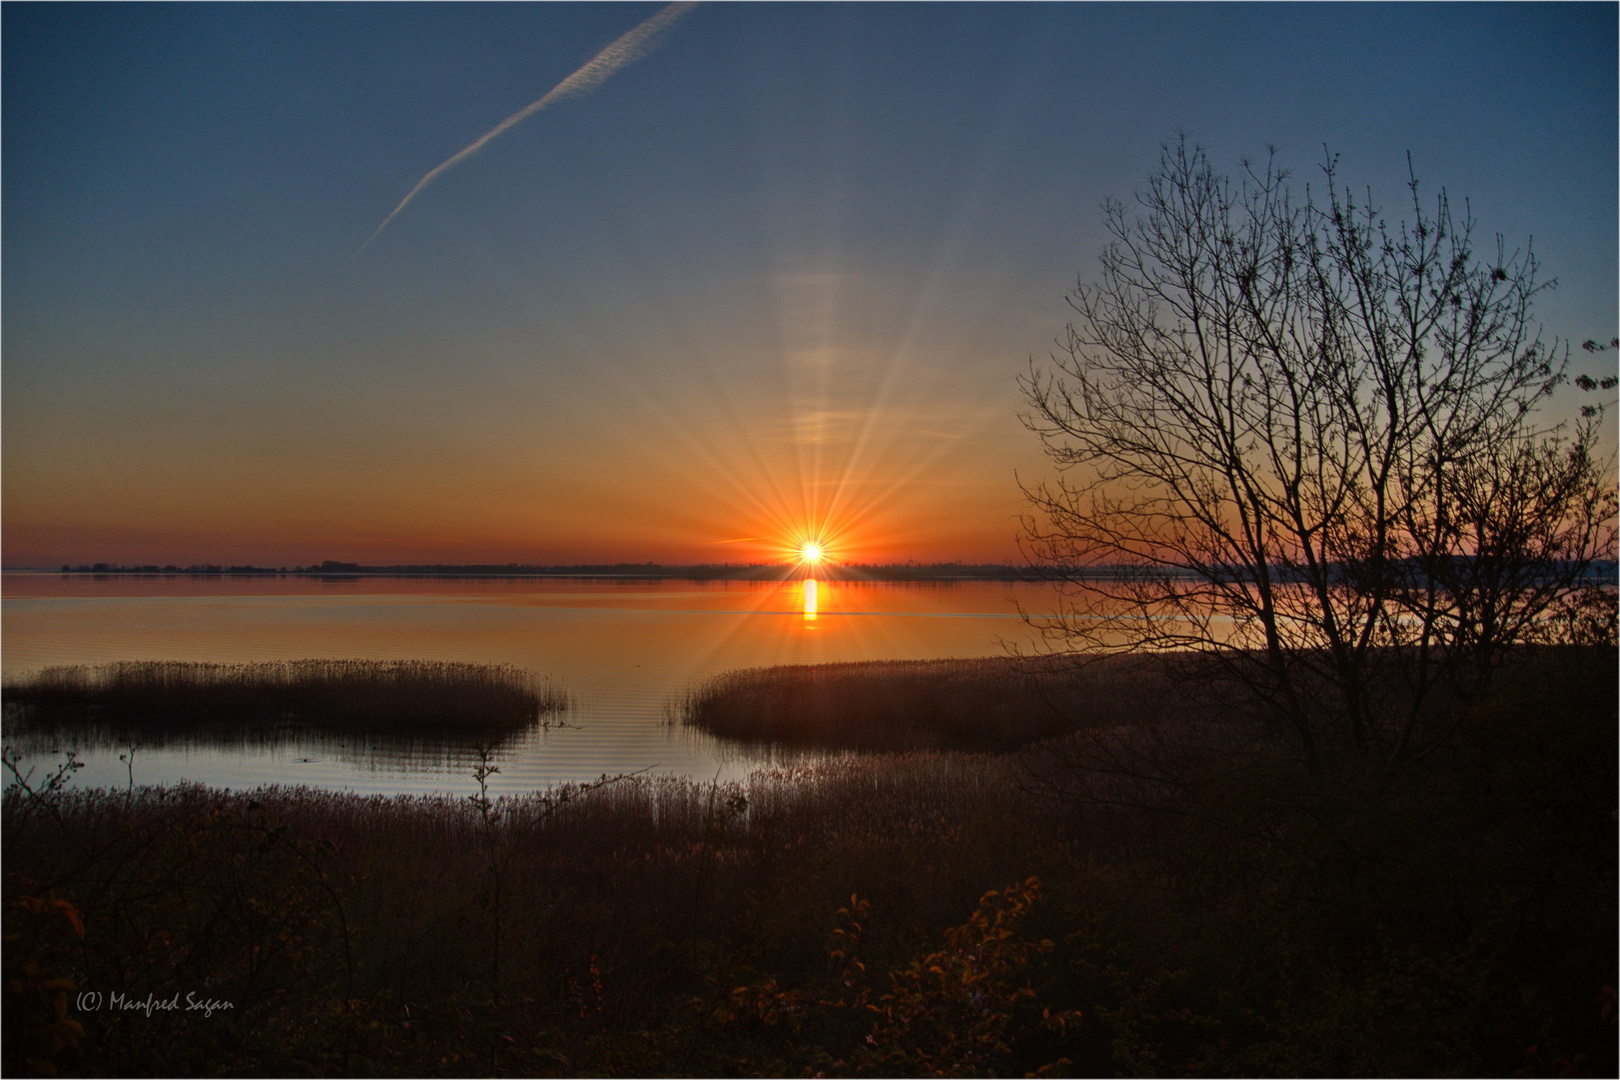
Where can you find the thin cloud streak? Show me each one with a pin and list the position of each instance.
(622, 52)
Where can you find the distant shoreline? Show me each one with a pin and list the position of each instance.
(1602, 572)
(607, 571)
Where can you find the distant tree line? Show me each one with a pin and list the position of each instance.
(910, 571)
(170, 568)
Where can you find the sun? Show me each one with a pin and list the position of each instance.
(810, 550)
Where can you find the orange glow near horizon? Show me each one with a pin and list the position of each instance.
(876, 483)
(885, 463)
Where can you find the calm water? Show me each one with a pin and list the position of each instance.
(624, 651)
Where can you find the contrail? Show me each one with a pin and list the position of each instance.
(625, 50)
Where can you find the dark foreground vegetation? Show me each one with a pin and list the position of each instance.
(903, 914)
(399, 696)
(987, 704)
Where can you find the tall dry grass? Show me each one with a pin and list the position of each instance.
(621, 905)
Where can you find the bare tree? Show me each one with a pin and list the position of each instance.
(1301, 440)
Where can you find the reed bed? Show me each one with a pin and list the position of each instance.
(409, 695)
(615, 906)
(1453, 920)
(989, 704)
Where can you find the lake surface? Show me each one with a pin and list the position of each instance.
(625, 651)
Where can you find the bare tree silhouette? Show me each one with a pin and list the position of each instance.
(1300, 439)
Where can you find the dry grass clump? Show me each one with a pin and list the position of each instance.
(990, 704)
(381, 694)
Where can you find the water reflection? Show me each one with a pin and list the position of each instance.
(370, 751)
(621, 651)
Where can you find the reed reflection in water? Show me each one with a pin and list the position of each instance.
(621, 650)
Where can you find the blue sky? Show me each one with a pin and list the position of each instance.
(785, 267)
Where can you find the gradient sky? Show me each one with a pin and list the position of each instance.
(783, 270)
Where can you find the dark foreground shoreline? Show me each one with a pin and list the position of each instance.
(1150, 896)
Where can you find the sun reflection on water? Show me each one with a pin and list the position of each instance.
(622, 649)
